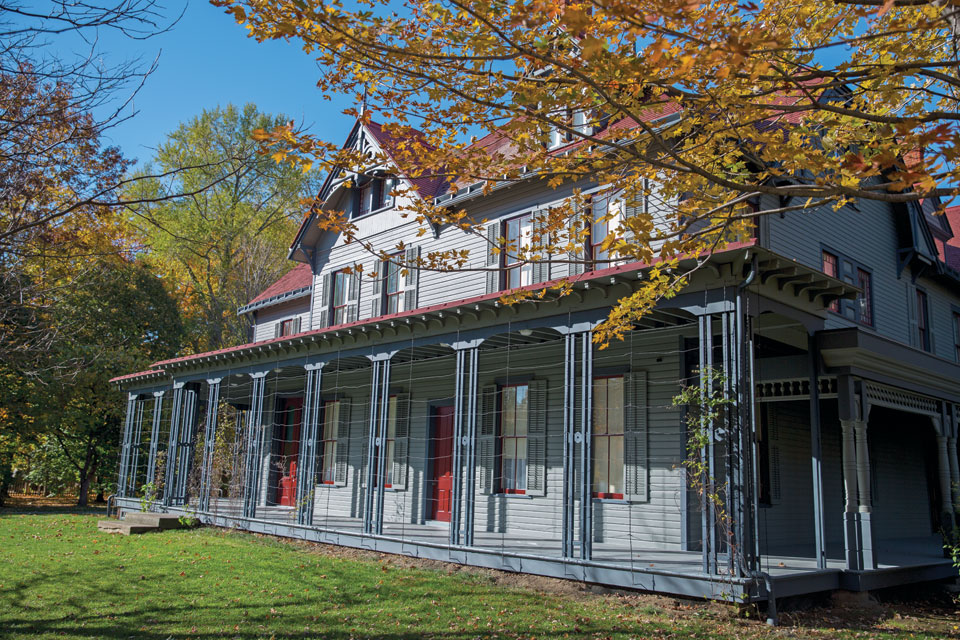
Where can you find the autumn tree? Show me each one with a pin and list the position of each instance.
(224, 245)
(719, 111)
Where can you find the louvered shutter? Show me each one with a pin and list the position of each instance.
(326, 299)
(376, 301)
(635, 430)
(296, 324)
(412, 279)
(401, 442)
(537, 438)
(773, 447)
(278, 329)
(493, 257)
(576, 254)
(353, 296)
(487, 440)
(343, 445)
(541, 268)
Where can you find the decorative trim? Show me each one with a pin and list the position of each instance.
(794, 389)
(883, 396)
(277, 299)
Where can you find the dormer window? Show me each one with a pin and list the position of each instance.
(372, 195)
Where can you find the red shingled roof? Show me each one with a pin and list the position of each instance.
(427, 186)
(297, 278)
(951, 248)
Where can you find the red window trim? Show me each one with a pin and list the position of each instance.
(501, 438)
(386, 285)
(346, 296)
(608, 496)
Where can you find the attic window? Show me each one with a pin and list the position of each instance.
(373, 195)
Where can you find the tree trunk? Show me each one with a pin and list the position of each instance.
(84, 489)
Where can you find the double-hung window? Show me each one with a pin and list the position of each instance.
(341, 290)
(607, 437)
(865, 311)
(514, 420)
(328, 448)
(393, 284)
(519, 232)
(372, 196)
(923, 320)
(605, 219)
(289, 327)
(848, 270)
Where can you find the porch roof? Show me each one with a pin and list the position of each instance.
(819, 288)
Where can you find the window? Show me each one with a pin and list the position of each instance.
(393, 289)
(328, 448)
(514, 420)
(923, 320)
(956, 335)
(831, 267)
(605, 219)
(391, 439)
(372, 196)
(518, 234)
(608, 470)
(289, 327)
(765, 496)
(341, 296)
(865, 310)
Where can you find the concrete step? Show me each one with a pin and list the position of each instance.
(125, 528)
(159, 520)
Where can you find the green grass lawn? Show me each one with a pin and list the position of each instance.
(59, 577)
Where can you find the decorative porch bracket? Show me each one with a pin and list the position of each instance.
(306, 470)
(253, 460)
(125, 448)
(462, 498)
(209, 442)
(169, 480)
(155, 436)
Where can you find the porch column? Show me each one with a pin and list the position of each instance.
(377, 438)
(134, 460)
(708, 529)
(947, 520)
(849, 413)
(253, 460)
(188, 434)
(125, 448)
(865, 510)
(586, 444)
(169, 479)
(154, 436)
(464, 443)
(571, 437)
(209, 441)
(954, 471)
(816, 454)
(307, 460)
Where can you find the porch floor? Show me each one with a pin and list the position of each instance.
(900, 561)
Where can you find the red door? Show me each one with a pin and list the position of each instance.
(288, 449)
(442, 481)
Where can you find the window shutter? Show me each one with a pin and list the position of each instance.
(912, 317)
(773, 447)
(635, 436)
(401, 442)
(487, 442)
(343, 442)
(541, 268)
(326, 299)
(537, 439)
(296, 324)
(412, 279)
(576, 253)
(278, 329)
(376, 302)
(493, 257)
(353, 297)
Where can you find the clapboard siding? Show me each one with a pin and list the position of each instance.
(268, 318)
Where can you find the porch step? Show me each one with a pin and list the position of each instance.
(156, 520)
(125, 528)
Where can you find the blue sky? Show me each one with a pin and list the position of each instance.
(208, 60)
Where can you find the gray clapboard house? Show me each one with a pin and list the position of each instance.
(419, 415)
